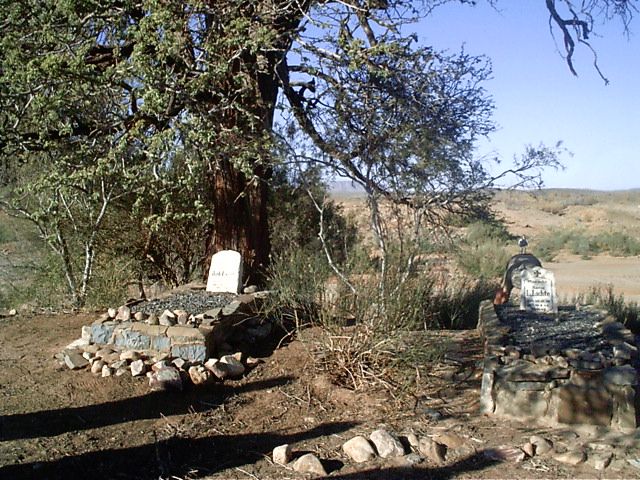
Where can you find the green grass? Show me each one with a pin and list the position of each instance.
(581, 243)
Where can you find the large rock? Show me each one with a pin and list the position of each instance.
(282, 454)
(309, 463)
(572, 457)
(200, 375)
(138, 368)
(432, 450)
(359, 449)
(166, 379)
(542, 444)
(124, 313)
(386, 444)
(167, 318)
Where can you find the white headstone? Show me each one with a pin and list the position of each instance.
(225, 273)
(538, 291)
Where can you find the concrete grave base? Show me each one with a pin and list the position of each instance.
(568, 387)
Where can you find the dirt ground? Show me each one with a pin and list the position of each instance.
(56, 423)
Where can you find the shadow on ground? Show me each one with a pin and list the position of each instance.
(150, 406)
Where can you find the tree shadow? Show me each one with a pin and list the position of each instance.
(468, 464)
(150, 406)
(175, 457)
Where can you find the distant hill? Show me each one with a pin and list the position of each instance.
(345, 189)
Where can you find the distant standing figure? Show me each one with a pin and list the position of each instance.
(522, 243)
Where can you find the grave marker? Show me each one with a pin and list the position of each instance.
(538, 291)
(225, 273)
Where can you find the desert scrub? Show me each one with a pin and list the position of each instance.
(484, 250)
(627, 313)
(578, 242)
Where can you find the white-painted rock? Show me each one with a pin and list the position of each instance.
(140, 316)
(386, 444)
(159, 365)
(432, 450)
(179, 363)
(107, 371)
(112, 312)
(166, 379)
(121, 371)
(138, 368)
(309, 463)
(86, 333)
(572, 457)
(282, 454)
(359, 449)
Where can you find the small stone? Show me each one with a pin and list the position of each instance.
(200, 375)
(79, 343)
(600, 461)
(386, 444)
(124, 313)
(93, 349)
(309, 463)
(530, 449)
(74, 360)
(542, 444)
(252, 362)
(153, 319)
(434, 451)
(112, 357)
(121, 371)
(228, 367)
(112, 312)
(182, 316)
(451, 440)
(138, 368)
(505, 454)
(282, 454)
(168, 319)
(107, 371)
(13, 312)
(166, 379)
(359, 449)
(118, 364)
(88, 355)
(250, 289)
(179, 363)
(86, 333)
(572, 457)
(159, 365)
(412, 439)
(140, 316)
(130, 355)
(103, 352)
(96, 367)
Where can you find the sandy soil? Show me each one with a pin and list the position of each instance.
(60, 424)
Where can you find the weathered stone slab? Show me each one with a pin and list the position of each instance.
(225, 273)
(527, 404)
(161, 343)
(101, 332)
(191, 352)
(523, 371)
(573, 404)
(150, 329)
(132, 340)
(74, 360)
(624, 412)
(185, 334)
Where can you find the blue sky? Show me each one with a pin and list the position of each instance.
(537, 98)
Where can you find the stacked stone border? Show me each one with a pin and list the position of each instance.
(565, 388)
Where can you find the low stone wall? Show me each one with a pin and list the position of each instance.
(554, 385)
(194, 336)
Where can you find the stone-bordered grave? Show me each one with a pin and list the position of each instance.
(578, 366)
(188, 328)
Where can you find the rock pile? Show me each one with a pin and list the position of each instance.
(173, 345)
(441, 447)
(578, 369)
